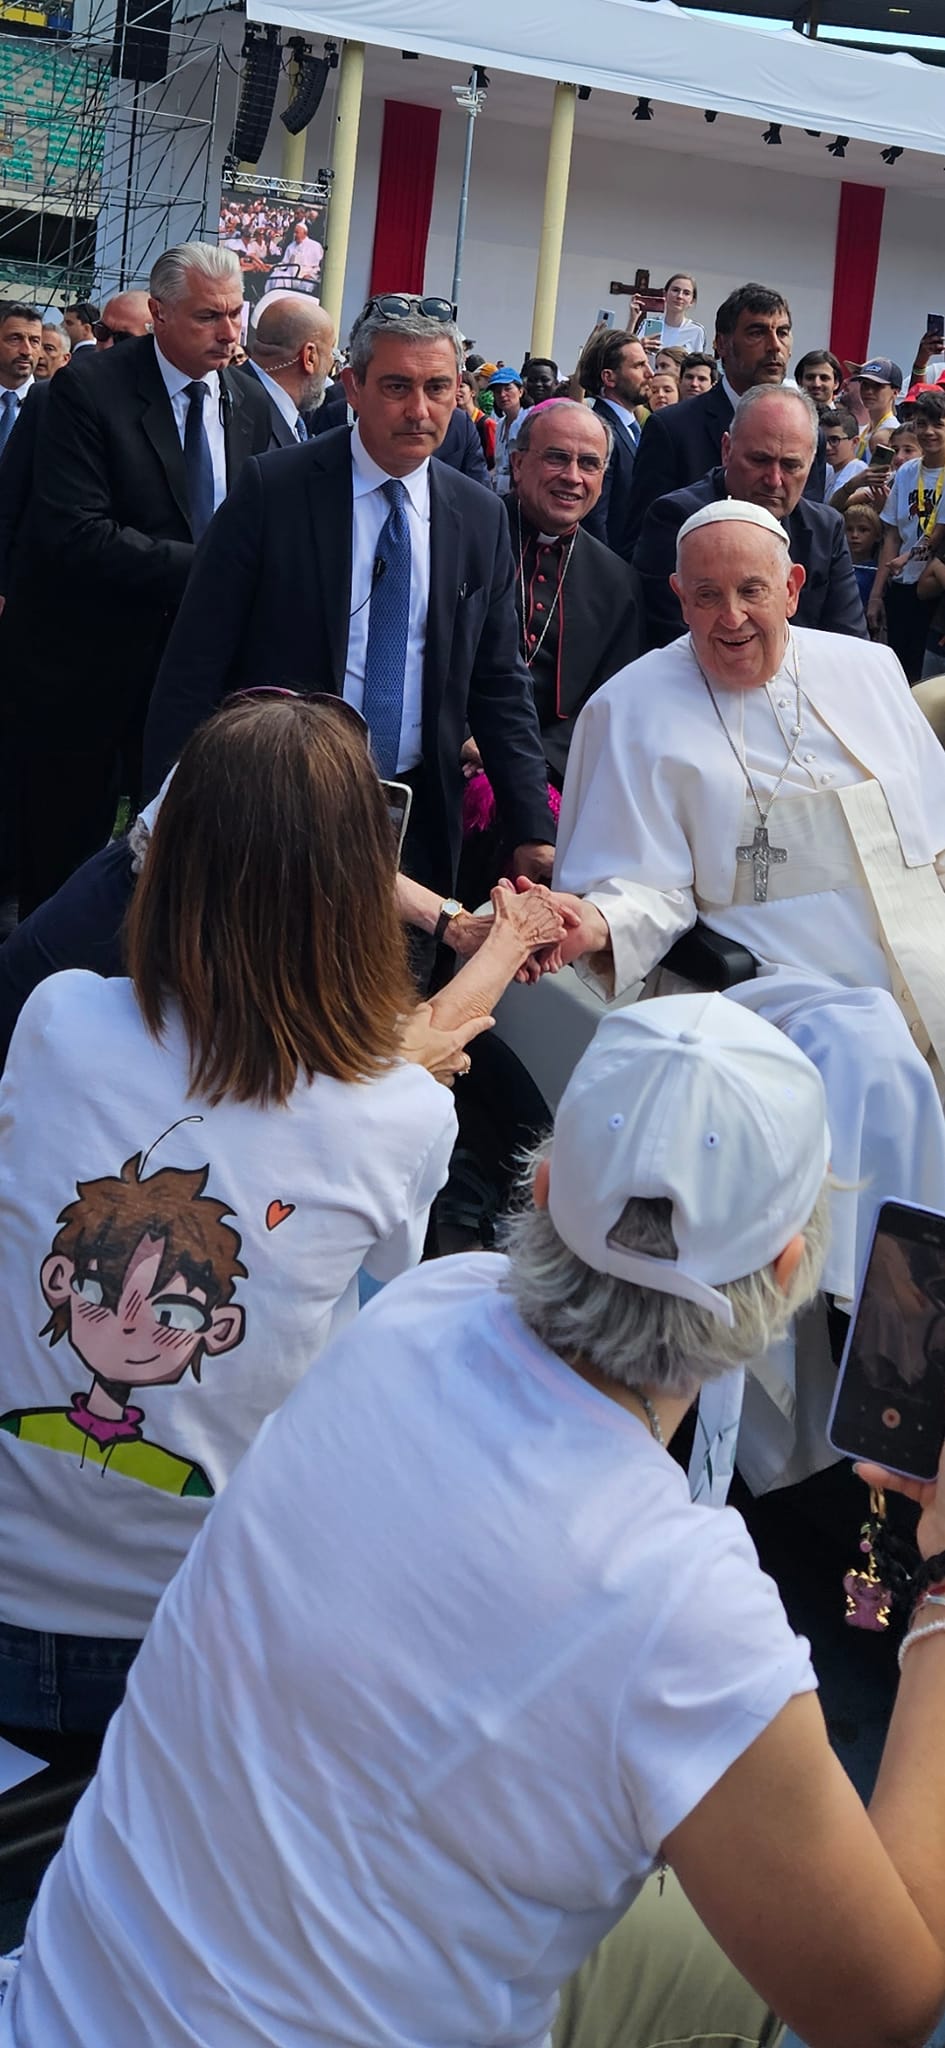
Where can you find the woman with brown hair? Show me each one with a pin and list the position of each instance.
(195, 1164)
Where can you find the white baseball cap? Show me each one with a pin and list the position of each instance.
(698, 1100)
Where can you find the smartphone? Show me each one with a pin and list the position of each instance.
(641, 281)
(889, 1406)
(935, 324)
(881, 458)
(398, 798)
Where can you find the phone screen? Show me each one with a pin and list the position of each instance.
(889, 1405)
(881, 458)
(398, 797)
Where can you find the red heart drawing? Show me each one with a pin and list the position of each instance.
(277, 1213)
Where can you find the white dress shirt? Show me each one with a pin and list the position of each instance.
(627, 419)
(369, 513)
(280, 398)
(20, 391)
(176, 382)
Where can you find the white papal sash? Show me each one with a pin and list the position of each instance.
(910, 908)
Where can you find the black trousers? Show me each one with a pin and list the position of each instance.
(67, 798)
(907, 627)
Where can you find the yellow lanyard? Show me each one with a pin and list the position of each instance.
(927, 517)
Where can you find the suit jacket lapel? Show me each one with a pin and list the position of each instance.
(330, 500)
(444, 587)
(237, 427)
(160, 426)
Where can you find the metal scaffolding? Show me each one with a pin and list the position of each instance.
(101, 164)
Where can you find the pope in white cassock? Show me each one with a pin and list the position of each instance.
(783, 786)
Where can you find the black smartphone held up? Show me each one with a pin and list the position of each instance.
(398, 798)
(935, 324)
(881, 458)
(889, 1406)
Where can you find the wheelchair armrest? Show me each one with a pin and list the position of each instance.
(709, 959)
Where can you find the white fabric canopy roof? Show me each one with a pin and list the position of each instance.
(654, 48)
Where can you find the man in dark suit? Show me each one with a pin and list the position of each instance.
(579, 606)
(137, 446)
(680, 443)
(460, 447)
(766, 457)
(290, 349)
(615, 371)
(356, 565)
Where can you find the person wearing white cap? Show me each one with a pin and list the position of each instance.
(782, 785)
(456, 1663)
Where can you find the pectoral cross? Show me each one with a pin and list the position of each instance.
(761, 854)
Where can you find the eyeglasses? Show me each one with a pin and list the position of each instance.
(347, 712)
(558, 459)
(397, 305)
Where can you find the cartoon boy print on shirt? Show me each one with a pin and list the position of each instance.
(140, 1278)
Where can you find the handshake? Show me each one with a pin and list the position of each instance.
(561, 927)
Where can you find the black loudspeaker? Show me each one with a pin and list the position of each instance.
(262, 60)
(142, 40)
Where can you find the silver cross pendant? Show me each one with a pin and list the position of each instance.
(761, 854)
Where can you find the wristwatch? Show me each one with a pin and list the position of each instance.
(449, 908)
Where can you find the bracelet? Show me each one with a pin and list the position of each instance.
(926, 1600)
(915, 1635)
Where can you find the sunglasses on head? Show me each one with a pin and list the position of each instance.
(397, 305)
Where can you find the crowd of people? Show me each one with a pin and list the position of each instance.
(382, 688)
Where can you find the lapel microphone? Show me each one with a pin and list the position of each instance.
(379, 570)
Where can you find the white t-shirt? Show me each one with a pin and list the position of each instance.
(453, 1655)
(248, 1245)
(689, 336)
(902, 510)
(836, 478)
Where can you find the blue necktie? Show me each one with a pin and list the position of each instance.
(301, 431)
(197, 461)
(388, 622)
(9, 407)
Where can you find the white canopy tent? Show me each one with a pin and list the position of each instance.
(654, 49)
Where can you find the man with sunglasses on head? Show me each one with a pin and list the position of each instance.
(359, 566)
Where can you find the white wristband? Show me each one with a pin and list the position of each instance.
(932, 1628)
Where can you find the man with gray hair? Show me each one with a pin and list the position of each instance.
(290, 345)
(767, 454)
(359, 566)
(578, 603)
(784, 787)
(136, 449)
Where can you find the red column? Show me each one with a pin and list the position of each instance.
(404, 197)
(859, 227)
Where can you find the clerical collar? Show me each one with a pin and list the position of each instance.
(532, 532)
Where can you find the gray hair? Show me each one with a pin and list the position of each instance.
(168, 279)
(762, 394)
(536, 413)
(410, 327)
(632, 1335)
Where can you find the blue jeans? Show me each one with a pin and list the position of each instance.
(71, 1684)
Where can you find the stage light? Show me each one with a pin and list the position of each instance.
(710, 115)
(772, 135)
(262, 62)
(642, 111)
(838, 147)
(891, 155)
(584, 92)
